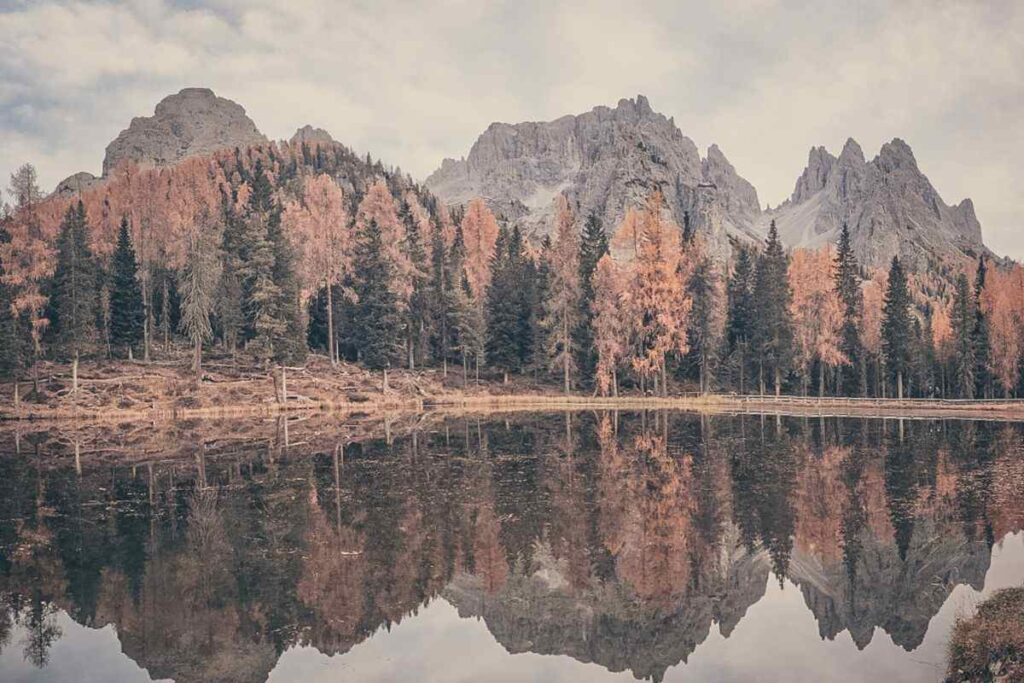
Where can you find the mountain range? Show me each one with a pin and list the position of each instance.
(609, 159)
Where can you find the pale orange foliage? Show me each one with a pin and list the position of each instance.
(28, 260)
(815, 307)
(480, 232)
(1003, 303)
(646, 517)
(942, 331)
(379, 205)
(609, 327)
(655, 298)
(319, 225)
(561, 310)
(421, 216)
(333, 573)
(871, 323)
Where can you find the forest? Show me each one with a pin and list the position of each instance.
(270, 253)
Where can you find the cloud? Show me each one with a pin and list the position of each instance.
(412, 82)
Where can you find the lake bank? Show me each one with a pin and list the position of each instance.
(125, 391)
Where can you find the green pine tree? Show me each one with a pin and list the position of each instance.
(772, 330)
(897, 326)
(539, 273)
(593, 245)
(261, 296)
(470, 327)
(739, 323)
(963, 320)
(198, 281)
(127, 312)
(376, 321)
(705, 330)
(417, 315)
(852, 377)
(504, 309)
(290, 344)
(983, 379)
(440, 288)
(74, 298)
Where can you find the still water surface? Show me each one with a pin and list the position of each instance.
(581, 547)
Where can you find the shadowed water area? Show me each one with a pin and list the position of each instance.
(561, 547)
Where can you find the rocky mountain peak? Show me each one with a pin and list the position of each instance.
(852, 154)
(311, 135)
(605, 161)
(815, 176)
(897, 154)
(890, 207)
(194, 121)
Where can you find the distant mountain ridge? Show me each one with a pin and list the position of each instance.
(604, 161)
(889, 205)
(608, 159)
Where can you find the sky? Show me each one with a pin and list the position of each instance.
(414, 82)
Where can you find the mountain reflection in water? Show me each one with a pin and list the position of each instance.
(617, 540)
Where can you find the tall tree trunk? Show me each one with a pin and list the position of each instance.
(899, 384)
(197, 361)
(331, 351)
(821, 379)
(743, 363)
(778, 381)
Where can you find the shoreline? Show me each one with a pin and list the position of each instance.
(1010, 410)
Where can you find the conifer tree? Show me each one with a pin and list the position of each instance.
(290, 345)
(740, 313)
(127, 314)
(593, 245)
(706, 317)
(470, 327)
(561, 309)
(852, 375)
(417, 318)
(376, 322)
(963, 320)
(772, 329)
(440, 287)
(538, 279)
(198, 281)
(74, 299)
(261, 295)
(610, 329)
(230, 297)
(981, 336)
(503, 311)
(897, 326)
(12, 336)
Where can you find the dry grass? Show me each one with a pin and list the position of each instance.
(990, 645)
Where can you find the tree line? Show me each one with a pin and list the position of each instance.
(270, 253)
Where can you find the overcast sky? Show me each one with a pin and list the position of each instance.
(412, 83)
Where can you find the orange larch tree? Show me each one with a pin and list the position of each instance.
(609, 326)
(480, 233)
(655, 298)
(561, 310)
(320, 225)
(1003, 303)
(817, 313)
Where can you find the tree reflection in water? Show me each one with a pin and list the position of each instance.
(619, 539)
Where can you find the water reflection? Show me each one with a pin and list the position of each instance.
(614, 539)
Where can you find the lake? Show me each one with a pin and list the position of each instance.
(543, 547)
